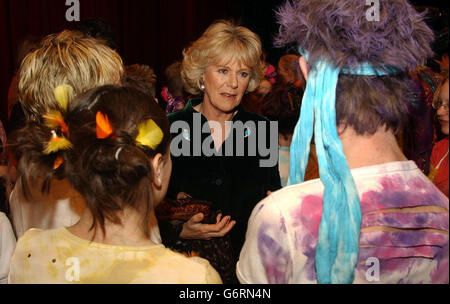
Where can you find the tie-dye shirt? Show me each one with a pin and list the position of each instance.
(60, 257)
(404, 233)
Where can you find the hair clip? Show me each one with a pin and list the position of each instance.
(104, 129)
(149, 134)
(116, 156)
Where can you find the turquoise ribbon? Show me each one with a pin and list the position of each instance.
(338, 244)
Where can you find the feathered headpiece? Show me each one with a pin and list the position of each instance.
(55, 121)
(337, 37)
(149, 133)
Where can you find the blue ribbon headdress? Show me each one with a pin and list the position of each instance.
(338, 245)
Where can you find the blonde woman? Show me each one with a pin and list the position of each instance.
(221, 67)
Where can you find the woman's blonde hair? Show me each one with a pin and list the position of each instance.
(65, 58)
(222, 41)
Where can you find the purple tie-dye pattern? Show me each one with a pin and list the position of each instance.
(259, 209)
(308, 216)
(283, 225)
(440, 274)
(276, 260)
(398, 192)
(402, 271)
(403, 238)
(407, 220)
(406, 255)
(398, 251)
(384, 253)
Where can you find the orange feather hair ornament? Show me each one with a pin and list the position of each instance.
(104, 129)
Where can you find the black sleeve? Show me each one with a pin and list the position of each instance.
(274, 178)
(16, 121)
(170, 233)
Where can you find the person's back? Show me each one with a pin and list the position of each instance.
(60, 257)
(373, 217)
(113, 146)
(61, 207)
(404, 231)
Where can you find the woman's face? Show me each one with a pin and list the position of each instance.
(225, 85)
(442, 112)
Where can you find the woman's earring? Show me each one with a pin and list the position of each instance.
(201, 83)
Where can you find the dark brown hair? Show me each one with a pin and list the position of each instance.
(107, 180)
(340, 32)
(174, 80)
(367, 103)
(141, 77)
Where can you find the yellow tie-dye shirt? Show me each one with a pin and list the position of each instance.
(58, 256)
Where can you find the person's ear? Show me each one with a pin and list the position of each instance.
(157, 165)
(303, 67)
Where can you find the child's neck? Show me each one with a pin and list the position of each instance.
(370, 150)
(129, 233)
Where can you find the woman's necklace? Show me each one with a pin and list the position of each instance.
(434, 170)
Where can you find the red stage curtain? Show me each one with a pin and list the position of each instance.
(151, 32)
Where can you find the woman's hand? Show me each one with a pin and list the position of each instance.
(194, 229)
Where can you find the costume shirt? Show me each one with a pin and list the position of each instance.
(233, 184)
(58, 256)
(283, 230)
(7, 245)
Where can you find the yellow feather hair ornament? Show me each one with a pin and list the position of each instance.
(149, 134)
(62, 94)
(54, 119)
(56, 144)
